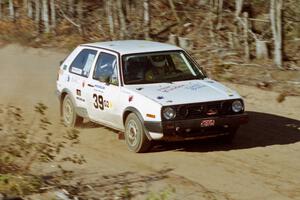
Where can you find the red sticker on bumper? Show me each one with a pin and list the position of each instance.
(207, 123)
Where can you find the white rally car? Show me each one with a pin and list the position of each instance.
(148, 90)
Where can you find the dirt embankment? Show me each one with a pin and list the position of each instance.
(262, 163)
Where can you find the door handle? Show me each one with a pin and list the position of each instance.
(90, 85)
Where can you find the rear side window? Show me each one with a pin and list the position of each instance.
(83, 62)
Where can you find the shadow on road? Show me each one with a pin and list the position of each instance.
(262, 130)
(92, 125)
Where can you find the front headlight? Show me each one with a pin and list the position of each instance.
(169, 113)
(237, 106)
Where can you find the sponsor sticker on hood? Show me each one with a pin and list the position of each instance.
(170, 88)
(185, 92)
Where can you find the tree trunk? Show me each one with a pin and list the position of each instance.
(220, 14)
(261, 49)
(80, 10)
(211, 27)
(174, 11)
(11, 10)
(45, 16)
(127, 9)
(53, 14)
(231, 40)
(37, 11)
(0, 9)
(29, 9)
(110, 18)
(116, 20)
(100, 24)
(147, 19)
(238, 7)
(140, 13)
(71, 7)
(123, 33)
(246, 37)
(179, 27)
(25, 6)
(276, 23)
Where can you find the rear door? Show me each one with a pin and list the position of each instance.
(103, 97)
(79, 72)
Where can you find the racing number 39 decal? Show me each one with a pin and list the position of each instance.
(99, 103)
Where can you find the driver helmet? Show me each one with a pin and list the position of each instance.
(158, 60)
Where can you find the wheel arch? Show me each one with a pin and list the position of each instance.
(129, 110)
(64, 93)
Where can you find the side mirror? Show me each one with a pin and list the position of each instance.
(104, 78)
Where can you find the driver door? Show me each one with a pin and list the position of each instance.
(104, 90)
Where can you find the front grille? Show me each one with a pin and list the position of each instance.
(203, 110)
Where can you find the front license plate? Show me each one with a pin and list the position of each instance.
(208, 123)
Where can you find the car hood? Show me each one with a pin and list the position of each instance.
(185, 92)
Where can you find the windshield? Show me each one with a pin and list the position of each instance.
(159, 67)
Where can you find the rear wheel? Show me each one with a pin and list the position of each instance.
(135, 136)
(70, 118)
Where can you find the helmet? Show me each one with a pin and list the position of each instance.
(158, 60)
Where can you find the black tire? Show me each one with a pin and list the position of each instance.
(228, 139)
(70, 118)
(135, 136)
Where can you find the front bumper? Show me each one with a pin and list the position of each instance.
(191, 128)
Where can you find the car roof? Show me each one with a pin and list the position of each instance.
(133, 46)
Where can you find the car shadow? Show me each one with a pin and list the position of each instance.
(92, 125)
(89, 125)
(262, 130)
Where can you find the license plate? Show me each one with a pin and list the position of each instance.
(207, 123)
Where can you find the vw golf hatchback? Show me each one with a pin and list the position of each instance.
(148, 90)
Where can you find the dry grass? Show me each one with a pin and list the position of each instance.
(281, 97)
(14, 184)
(25, 32)
(24, 144)
(22, 31)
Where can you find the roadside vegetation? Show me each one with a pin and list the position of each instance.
(26, 145)
(35, 153)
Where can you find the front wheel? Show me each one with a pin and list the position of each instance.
(70, 118)
(135, 136)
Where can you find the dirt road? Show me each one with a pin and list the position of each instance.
(262, 163)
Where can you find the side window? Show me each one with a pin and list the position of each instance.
(106, 65)
(83, 62)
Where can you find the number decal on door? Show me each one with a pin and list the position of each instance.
(96, 101)
(99, 103)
